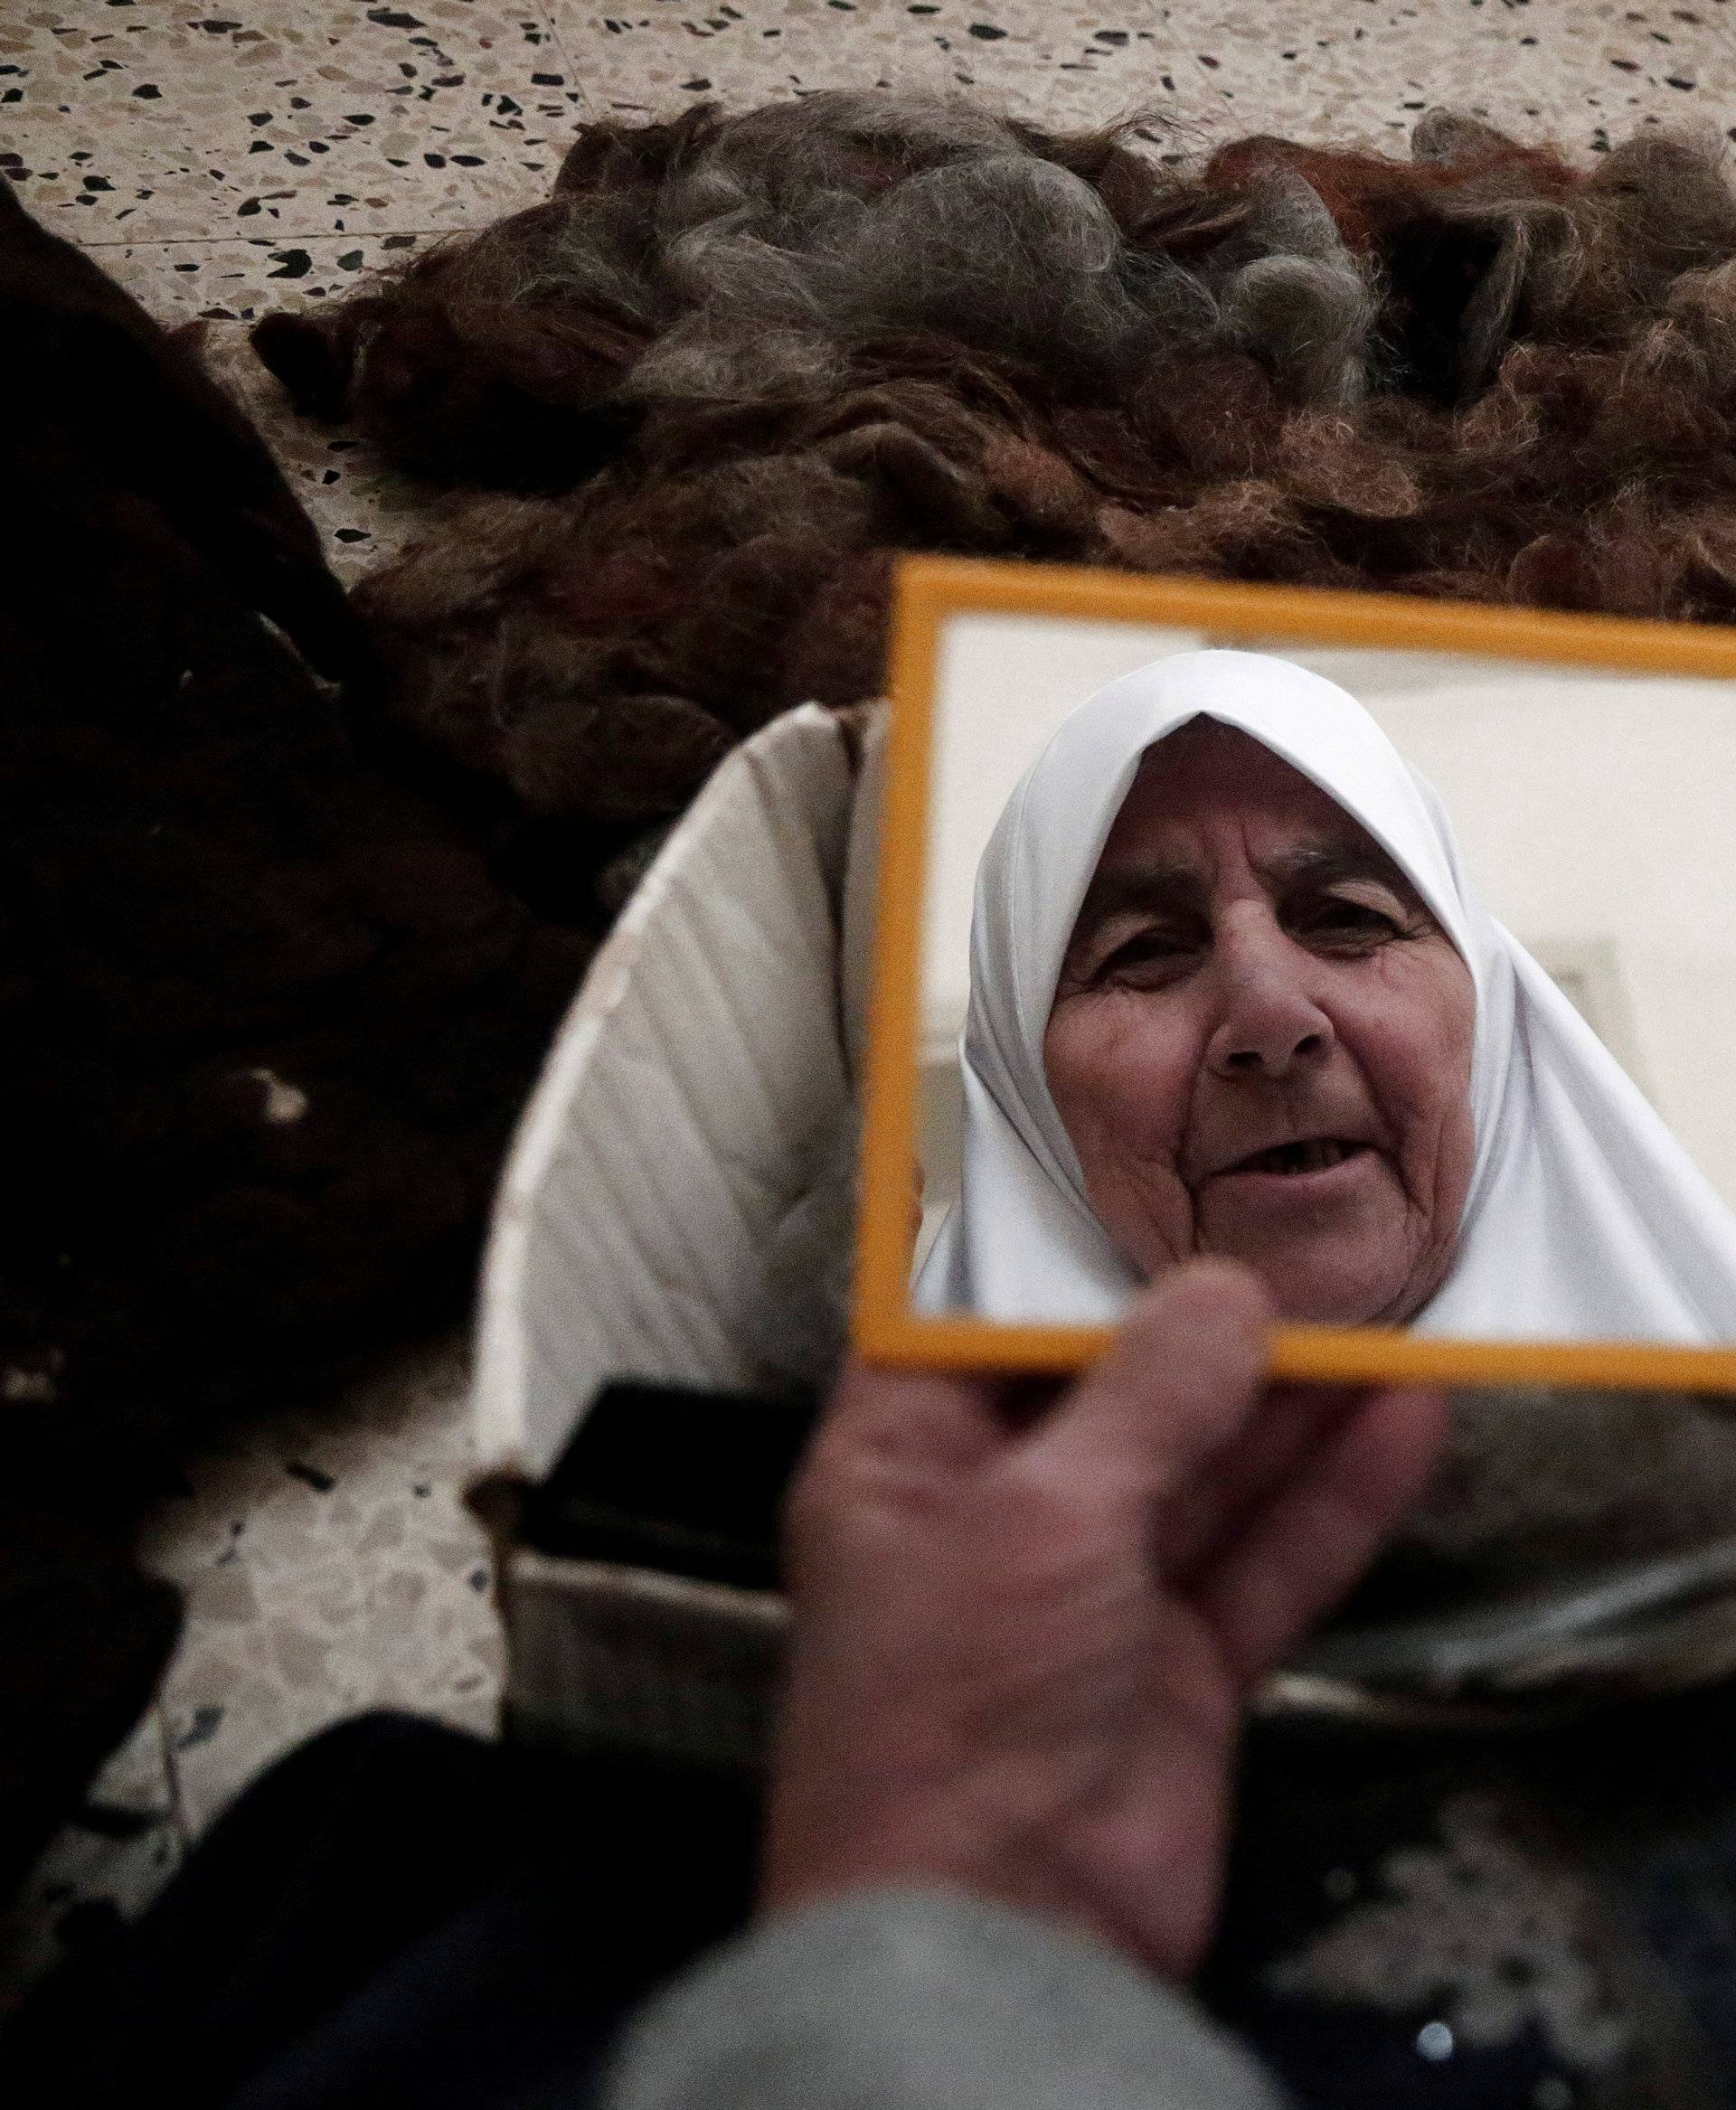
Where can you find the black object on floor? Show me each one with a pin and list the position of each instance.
(676, 1479)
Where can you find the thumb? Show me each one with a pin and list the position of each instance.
(885, 1433)
(1179, 1383)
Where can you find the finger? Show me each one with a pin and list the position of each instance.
(1179, 1381)
(889, 1441)
(911, 1418)
(1213, 1507)
(1295, 1560)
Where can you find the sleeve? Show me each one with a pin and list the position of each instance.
(918, 2000)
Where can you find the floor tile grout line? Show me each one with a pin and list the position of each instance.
(574, 76)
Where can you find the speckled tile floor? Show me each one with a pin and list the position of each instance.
(265, 155)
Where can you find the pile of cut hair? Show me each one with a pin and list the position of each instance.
(688, 408)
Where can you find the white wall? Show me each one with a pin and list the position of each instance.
(1598, 807)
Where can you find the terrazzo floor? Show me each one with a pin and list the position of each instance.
(267, 155)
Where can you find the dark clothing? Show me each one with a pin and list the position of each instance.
(396, 1915)
(267, 1013)
(398, 1918)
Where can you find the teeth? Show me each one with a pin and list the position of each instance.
(1313, 1157)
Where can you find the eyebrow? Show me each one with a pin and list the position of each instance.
(1184, 886)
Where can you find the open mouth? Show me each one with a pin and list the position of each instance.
(1319, 1153)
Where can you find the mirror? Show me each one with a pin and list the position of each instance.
(1450, 1071)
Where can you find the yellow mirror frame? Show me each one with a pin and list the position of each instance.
(929, 592)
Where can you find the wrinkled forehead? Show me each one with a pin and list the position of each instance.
(1175, 715)
(1309, 760)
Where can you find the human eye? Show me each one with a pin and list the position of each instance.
(1353, 919)
(1151, 953)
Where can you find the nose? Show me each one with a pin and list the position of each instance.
(1268, 1025)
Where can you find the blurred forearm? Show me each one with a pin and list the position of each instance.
(926, 1999)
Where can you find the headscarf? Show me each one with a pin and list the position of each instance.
(1585, 1219)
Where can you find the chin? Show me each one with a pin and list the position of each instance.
(1313, 1291)
(1325, 1309)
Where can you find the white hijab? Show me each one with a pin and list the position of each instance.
(1585, 1219)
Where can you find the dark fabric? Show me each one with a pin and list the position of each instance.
(401, 1916)
(397, 1914)
(109, 411)
(83, 1639)
(266, 1016)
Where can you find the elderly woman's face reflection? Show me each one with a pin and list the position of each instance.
(1261, 1042)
